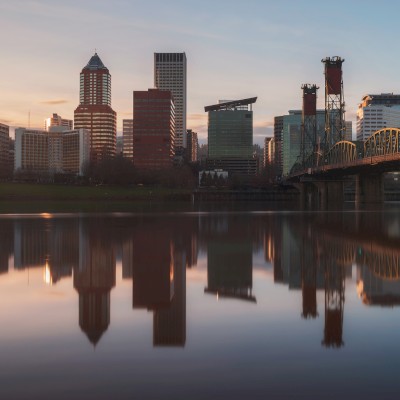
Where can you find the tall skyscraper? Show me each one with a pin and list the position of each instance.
(170, 74)
(153, 129)
(94, 112)
(56, 120)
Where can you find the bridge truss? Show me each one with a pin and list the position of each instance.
(382, 142)
(342, 152)
(334, 102)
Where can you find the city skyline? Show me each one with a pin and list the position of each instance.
(250, 54)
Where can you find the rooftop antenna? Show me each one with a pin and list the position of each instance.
(29, 119)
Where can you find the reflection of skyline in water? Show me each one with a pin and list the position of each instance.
(310, 253)
(229, 258)
(94, 277)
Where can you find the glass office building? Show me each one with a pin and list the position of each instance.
(230, 136)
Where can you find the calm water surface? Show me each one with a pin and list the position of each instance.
(213, 305)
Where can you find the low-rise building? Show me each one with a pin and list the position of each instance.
(5, 154)
(52, 152)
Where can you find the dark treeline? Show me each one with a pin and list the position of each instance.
(121, 171)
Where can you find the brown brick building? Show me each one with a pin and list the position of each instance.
(153, 129)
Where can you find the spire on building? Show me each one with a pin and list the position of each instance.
(95, 63)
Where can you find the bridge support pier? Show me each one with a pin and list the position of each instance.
(321, 195)
(330, 194)
(369, 188)
(307, 194)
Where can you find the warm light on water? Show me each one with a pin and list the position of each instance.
(47, 274)
(208, 305)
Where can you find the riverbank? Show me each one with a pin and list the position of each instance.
(45, 198)
(21, 198)
(44, 192)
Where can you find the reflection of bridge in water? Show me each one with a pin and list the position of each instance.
(311, 252)
(317, 255)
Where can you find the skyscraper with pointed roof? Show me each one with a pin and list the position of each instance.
(94, 112)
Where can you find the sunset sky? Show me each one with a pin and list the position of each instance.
(235, 49)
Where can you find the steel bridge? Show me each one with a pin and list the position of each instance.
(367, 161)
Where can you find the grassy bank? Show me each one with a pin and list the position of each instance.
(38, 198)
(38, 192)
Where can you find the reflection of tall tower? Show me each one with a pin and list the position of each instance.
(308, 281)
(230, 268)
(6, 243)
(169, 324)
(94, 279)
(278, 270)
(153, 277)
(334, 304)
(276, 238)
(159, 278)
(191, 250)
(127, 259)
(308, 260)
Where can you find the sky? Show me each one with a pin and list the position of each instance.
(235, 49)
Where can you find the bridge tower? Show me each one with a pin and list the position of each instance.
(334, 102)
(334, 304)
(309, 139)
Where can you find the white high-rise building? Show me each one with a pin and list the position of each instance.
(170, 74)
(376, 112)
